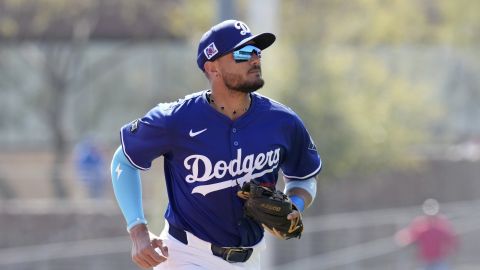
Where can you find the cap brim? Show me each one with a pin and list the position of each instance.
(262, 41)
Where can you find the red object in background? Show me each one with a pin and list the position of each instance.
(434, 237)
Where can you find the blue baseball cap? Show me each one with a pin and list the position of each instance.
(227, 36)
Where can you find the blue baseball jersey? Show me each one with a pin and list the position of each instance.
(208, 157)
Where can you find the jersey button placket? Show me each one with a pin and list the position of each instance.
(235, 137)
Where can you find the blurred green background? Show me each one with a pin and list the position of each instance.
(389, 91)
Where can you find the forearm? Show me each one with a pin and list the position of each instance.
(302, 193)
(128, 189)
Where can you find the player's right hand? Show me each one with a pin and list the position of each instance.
(143, 248)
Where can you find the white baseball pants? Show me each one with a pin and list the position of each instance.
(197, 255)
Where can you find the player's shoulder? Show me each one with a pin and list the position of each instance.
(274, 107)
(179, 105)
(167, 111)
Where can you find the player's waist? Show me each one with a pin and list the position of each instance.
(231, 231)
(229, 254)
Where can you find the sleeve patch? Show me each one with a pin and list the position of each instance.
(311, 145)
(134, 125)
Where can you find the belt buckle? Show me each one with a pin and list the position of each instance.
(233, 250)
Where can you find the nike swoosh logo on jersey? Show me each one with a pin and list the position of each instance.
(193, 134)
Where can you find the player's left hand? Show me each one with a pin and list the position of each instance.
(292, 216)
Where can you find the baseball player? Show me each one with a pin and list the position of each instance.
(213, 143)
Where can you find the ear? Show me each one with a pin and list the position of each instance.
(211, 68)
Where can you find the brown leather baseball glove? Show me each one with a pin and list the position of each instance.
(271, 208)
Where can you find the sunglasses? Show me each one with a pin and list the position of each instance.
(245, 53)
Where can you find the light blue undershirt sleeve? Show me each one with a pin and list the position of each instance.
(309, 185)
(127, 187)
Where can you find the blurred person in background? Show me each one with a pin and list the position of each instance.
(433, 236)
(90, 167)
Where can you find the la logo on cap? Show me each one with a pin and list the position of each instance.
(242, 26)
(210, 50)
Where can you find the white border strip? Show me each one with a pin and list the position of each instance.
(128, 157)
(305, 177)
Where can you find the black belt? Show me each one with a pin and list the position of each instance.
(232, 254)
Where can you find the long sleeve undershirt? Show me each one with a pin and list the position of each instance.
(127, 187)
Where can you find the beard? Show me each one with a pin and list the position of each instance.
(237, 83)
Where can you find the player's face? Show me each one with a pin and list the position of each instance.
(244, 76)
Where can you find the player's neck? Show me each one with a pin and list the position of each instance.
(231, 103)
